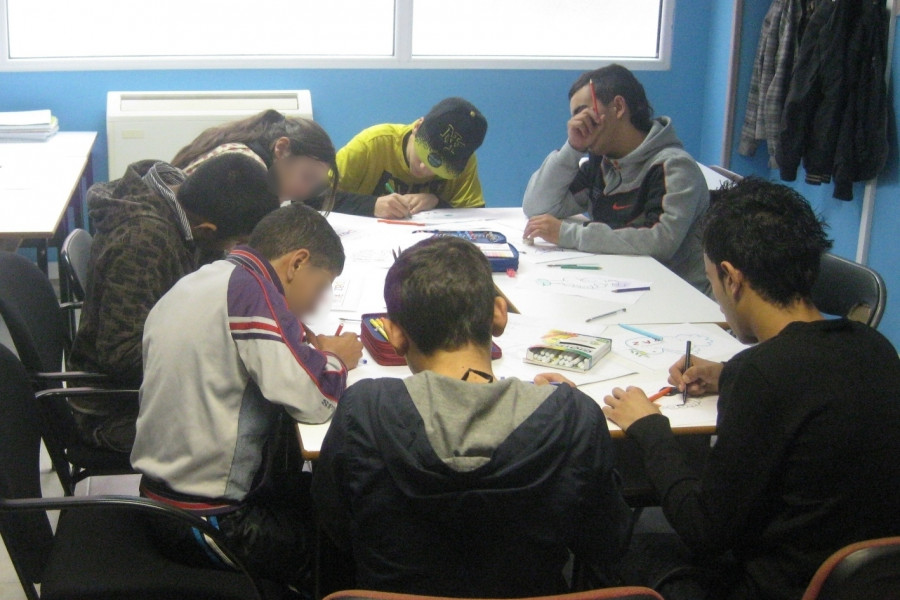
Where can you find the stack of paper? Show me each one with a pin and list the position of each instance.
(27, 126)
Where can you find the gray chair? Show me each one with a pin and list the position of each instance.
(74, 256)
(868, 570)
(848, 289)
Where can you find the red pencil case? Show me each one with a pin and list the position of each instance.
(382, 351)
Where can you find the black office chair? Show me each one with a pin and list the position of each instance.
(848, 289)
(102, 546)
(74, 256)
(39, 330)
(868, 570)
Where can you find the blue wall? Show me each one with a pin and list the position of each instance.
(526, 110)
(842, 217)
(712, 133)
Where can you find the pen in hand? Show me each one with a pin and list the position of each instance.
(687, 365)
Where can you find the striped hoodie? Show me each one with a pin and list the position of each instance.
(223, 357)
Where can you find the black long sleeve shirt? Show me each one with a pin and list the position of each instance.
(806, 459)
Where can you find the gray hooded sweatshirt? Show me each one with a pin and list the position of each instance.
(648, 202)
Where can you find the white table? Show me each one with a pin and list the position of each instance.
(670, 300)
(39, 182)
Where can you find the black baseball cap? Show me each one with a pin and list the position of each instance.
(449, 135)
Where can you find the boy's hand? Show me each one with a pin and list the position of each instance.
(543, 226)
(416, 203)
(701, 379)
(550, 378)
(624, 407)
(582, 129)
(346, 346)
(391, 206)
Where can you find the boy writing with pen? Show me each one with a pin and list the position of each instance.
(394, 171)
(229, 368)
(808, 429)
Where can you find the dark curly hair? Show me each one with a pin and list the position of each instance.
(770, 233)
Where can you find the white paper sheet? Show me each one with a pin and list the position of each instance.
(588, 284)
(709, 342)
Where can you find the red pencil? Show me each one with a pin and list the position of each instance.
(339, 330)
(594, 99)
(663, 392)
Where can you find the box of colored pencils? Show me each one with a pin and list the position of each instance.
(374, 337)
(569, 351)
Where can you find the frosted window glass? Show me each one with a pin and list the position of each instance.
(127, 28)
(536, 28)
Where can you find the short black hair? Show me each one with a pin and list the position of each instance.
(615, 80)
(770, 233)
(441, 292)
(294, 227)
(231, 191)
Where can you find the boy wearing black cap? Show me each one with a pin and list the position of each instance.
(394, 171)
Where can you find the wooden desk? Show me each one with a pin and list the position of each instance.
(670, 300)
(39, 182)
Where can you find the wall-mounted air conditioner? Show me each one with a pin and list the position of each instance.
(142, 125)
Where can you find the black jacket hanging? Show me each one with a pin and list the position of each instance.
(835, 115)
(862, 144)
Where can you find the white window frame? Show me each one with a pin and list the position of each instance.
(402, 58)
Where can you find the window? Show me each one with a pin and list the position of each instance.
(125, 34)
(537, 29)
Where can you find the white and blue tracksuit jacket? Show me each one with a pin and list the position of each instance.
(223, 356)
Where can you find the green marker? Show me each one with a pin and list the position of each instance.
(389, 187)
(583, 267)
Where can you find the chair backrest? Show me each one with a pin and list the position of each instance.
(30, 308)
(848, 289)
(28, 537)
(617, 593)
(867, 570)
(74, 257)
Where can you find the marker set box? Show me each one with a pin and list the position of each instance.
(569, 351)
(500, 253)
(381, 350)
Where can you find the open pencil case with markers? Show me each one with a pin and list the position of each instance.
(502, 255)
(381, 350)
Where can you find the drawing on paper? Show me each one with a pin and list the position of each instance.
(587, 283)
(644, 347)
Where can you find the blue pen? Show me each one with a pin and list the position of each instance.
(642, 332)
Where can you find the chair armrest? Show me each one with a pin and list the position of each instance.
(62, 376)
(144, 505)
(81, 392)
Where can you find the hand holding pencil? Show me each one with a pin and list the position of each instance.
(700, 378)
(346, 346)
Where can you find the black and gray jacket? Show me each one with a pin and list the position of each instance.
(648, 202)
(448, 488)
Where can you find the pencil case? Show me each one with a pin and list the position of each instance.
(502, 255)
(381, 350)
